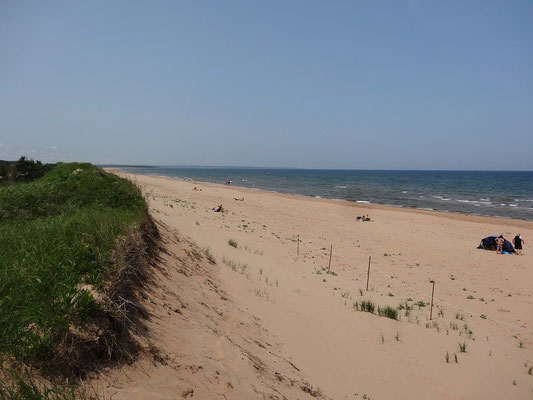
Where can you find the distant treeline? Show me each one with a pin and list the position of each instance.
(22, 170)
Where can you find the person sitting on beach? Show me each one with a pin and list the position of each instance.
(499, 244)
(518, 244)
(219, 209)
(367, 218)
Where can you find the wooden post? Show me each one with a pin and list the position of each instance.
(330, 251)
(431, 309)
(298, 248)
(368, 273)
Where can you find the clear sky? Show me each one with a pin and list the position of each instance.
(420, 84)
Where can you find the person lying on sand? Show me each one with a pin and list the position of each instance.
(219, 209)
(359, 219)
(236, 199)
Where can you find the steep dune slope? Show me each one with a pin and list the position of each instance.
(199, 343)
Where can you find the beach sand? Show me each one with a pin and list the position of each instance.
(264, 329)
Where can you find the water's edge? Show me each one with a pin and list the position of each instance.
(484, 193)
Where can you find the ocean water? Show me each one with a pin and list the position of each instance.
(492, 193)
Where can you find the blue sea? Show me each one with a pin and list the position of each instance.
(492, 193)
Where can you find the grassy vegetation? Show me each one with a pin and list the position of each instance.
(311, 390)
(388, 312)
(235, 265)
(462, 347)
(365, 305)
(58, 253)
(21, 385)
(209, 255)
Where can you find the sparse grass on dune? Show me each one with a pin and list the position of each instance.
(58, 235)
(388, 312)
(21, 385)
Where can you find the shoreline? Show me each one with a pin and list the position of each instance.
(457, 216)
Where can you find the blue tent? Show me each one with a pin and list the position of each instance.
(489, 243)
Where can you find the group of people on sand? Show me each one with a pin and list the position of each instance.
(364, 218)
(517, 242)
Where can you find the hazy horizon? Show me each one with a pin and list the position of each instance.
(110, 165)
(394, 85)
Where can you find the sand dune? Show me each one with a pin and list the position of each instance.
(262, 320)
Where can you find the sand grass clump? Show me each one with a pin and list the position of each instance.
(311, 390)
(367, 306)
(388, 312)
(21, 385)
(209, 255)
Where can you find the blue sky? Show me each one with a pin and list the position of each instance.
(418, 84)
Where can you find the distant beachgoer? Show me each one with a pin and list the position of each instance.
(499, 244)
(518, 244)
(367, 218)
(359, 219)
(236, 199)
(219, 209)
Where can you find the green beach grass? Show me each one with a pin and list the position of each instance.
(60, 239)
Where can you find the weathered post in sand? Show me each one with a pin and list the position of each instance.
(330, 251)
(368, 273)
(298, 247)
(431, 309)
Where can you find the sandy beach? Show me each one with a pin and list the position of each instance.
(261, 321)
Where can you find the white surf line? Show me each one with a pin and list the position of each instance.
(425, 296)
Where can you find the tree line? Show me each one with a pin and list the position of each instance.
(22, 170)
